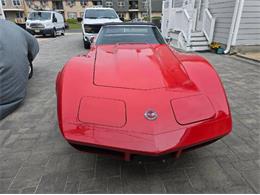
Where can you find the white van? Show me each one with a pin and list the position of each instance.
(93, 20)
(45, 23)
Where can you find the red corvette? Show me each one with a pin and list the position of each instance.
(133, 94)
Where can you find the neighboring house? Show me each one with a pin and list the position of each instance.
(128, 9)
(13, 10)
(75, 8)
(69, 8)
(132, 9)
(196, 23)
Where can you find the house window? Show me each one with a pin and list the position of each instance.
(71, 2)
(43, 2)
(3, 2)
(109, 4)
(144, 14)
(121, 4)
(133, 4)
(145, 3)
(29, 2)
(19, 14)
(72, 15)
(16, 2)
(83, 2)
(97, 2)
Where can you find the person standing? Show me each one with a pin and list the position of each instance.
(18, 49)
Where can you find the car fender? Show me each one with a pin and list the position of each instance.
(207, 80)
(77, 70)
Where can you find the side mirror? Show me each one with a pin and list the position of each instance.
(122, 19)
(54, 20)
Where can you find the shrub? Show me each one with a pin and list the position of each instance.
(72, 21)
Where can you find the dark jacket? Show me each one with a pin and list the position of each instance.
(16, 47)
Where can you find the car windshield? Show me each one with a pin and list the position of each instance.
(40, 16)
(102, 13)
(129, 34)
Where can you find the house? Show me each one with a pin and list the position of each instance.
(12, 10)
(69, 8)
(132, 9)
(194, 24)
(128, 9)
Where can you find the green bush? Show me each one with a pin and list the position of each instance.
(156, 18)
(146, 18)
(72, 21)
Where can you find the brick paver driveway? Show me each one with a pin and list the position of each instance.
(34, 158)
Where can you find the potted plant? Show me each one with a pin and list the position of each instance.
(216, 47)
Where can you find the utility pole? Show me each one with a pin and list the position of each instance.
(2, 15)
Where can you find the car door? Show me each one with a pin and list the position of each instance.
(57, 23)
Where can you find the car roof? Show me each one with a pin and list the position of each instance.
(129, 24)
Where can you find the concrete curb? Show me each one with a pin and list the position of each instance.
(247, 58)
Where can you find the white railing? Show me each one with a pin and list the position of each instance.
(183, 23)
(208, 25)
(181, 42)
(2, 15)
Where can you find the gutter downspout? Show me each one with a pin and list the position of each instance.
(235, 24)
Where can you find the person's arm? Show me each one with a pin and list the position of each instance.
(33, 46)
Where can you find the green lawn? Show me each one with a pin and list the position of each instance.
(74, 26)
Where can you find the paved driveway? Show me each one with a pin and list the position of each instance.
(34, 158)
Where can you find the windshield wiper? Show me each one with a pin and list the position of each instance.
(92, 17)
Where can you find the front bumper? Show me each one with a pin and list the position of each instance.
(130, 142)
(44, 31)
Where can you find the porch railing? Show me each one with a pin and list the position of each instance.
(183, 23)
(208, 25)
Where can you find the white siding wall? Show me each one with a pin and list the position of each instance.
(178, 3)
(223, 10)
(249, 28)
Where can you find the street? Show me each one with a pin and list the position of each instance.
(34, 157)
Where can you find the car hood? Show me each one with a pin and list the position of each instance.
(139, 66)
(38, 21)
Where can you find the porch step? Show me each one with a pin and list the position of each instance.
(201, 38)
(197, 34)
(199, 43)
(199, 48)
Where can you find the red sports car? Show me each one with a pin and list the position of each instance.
(133, 94)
